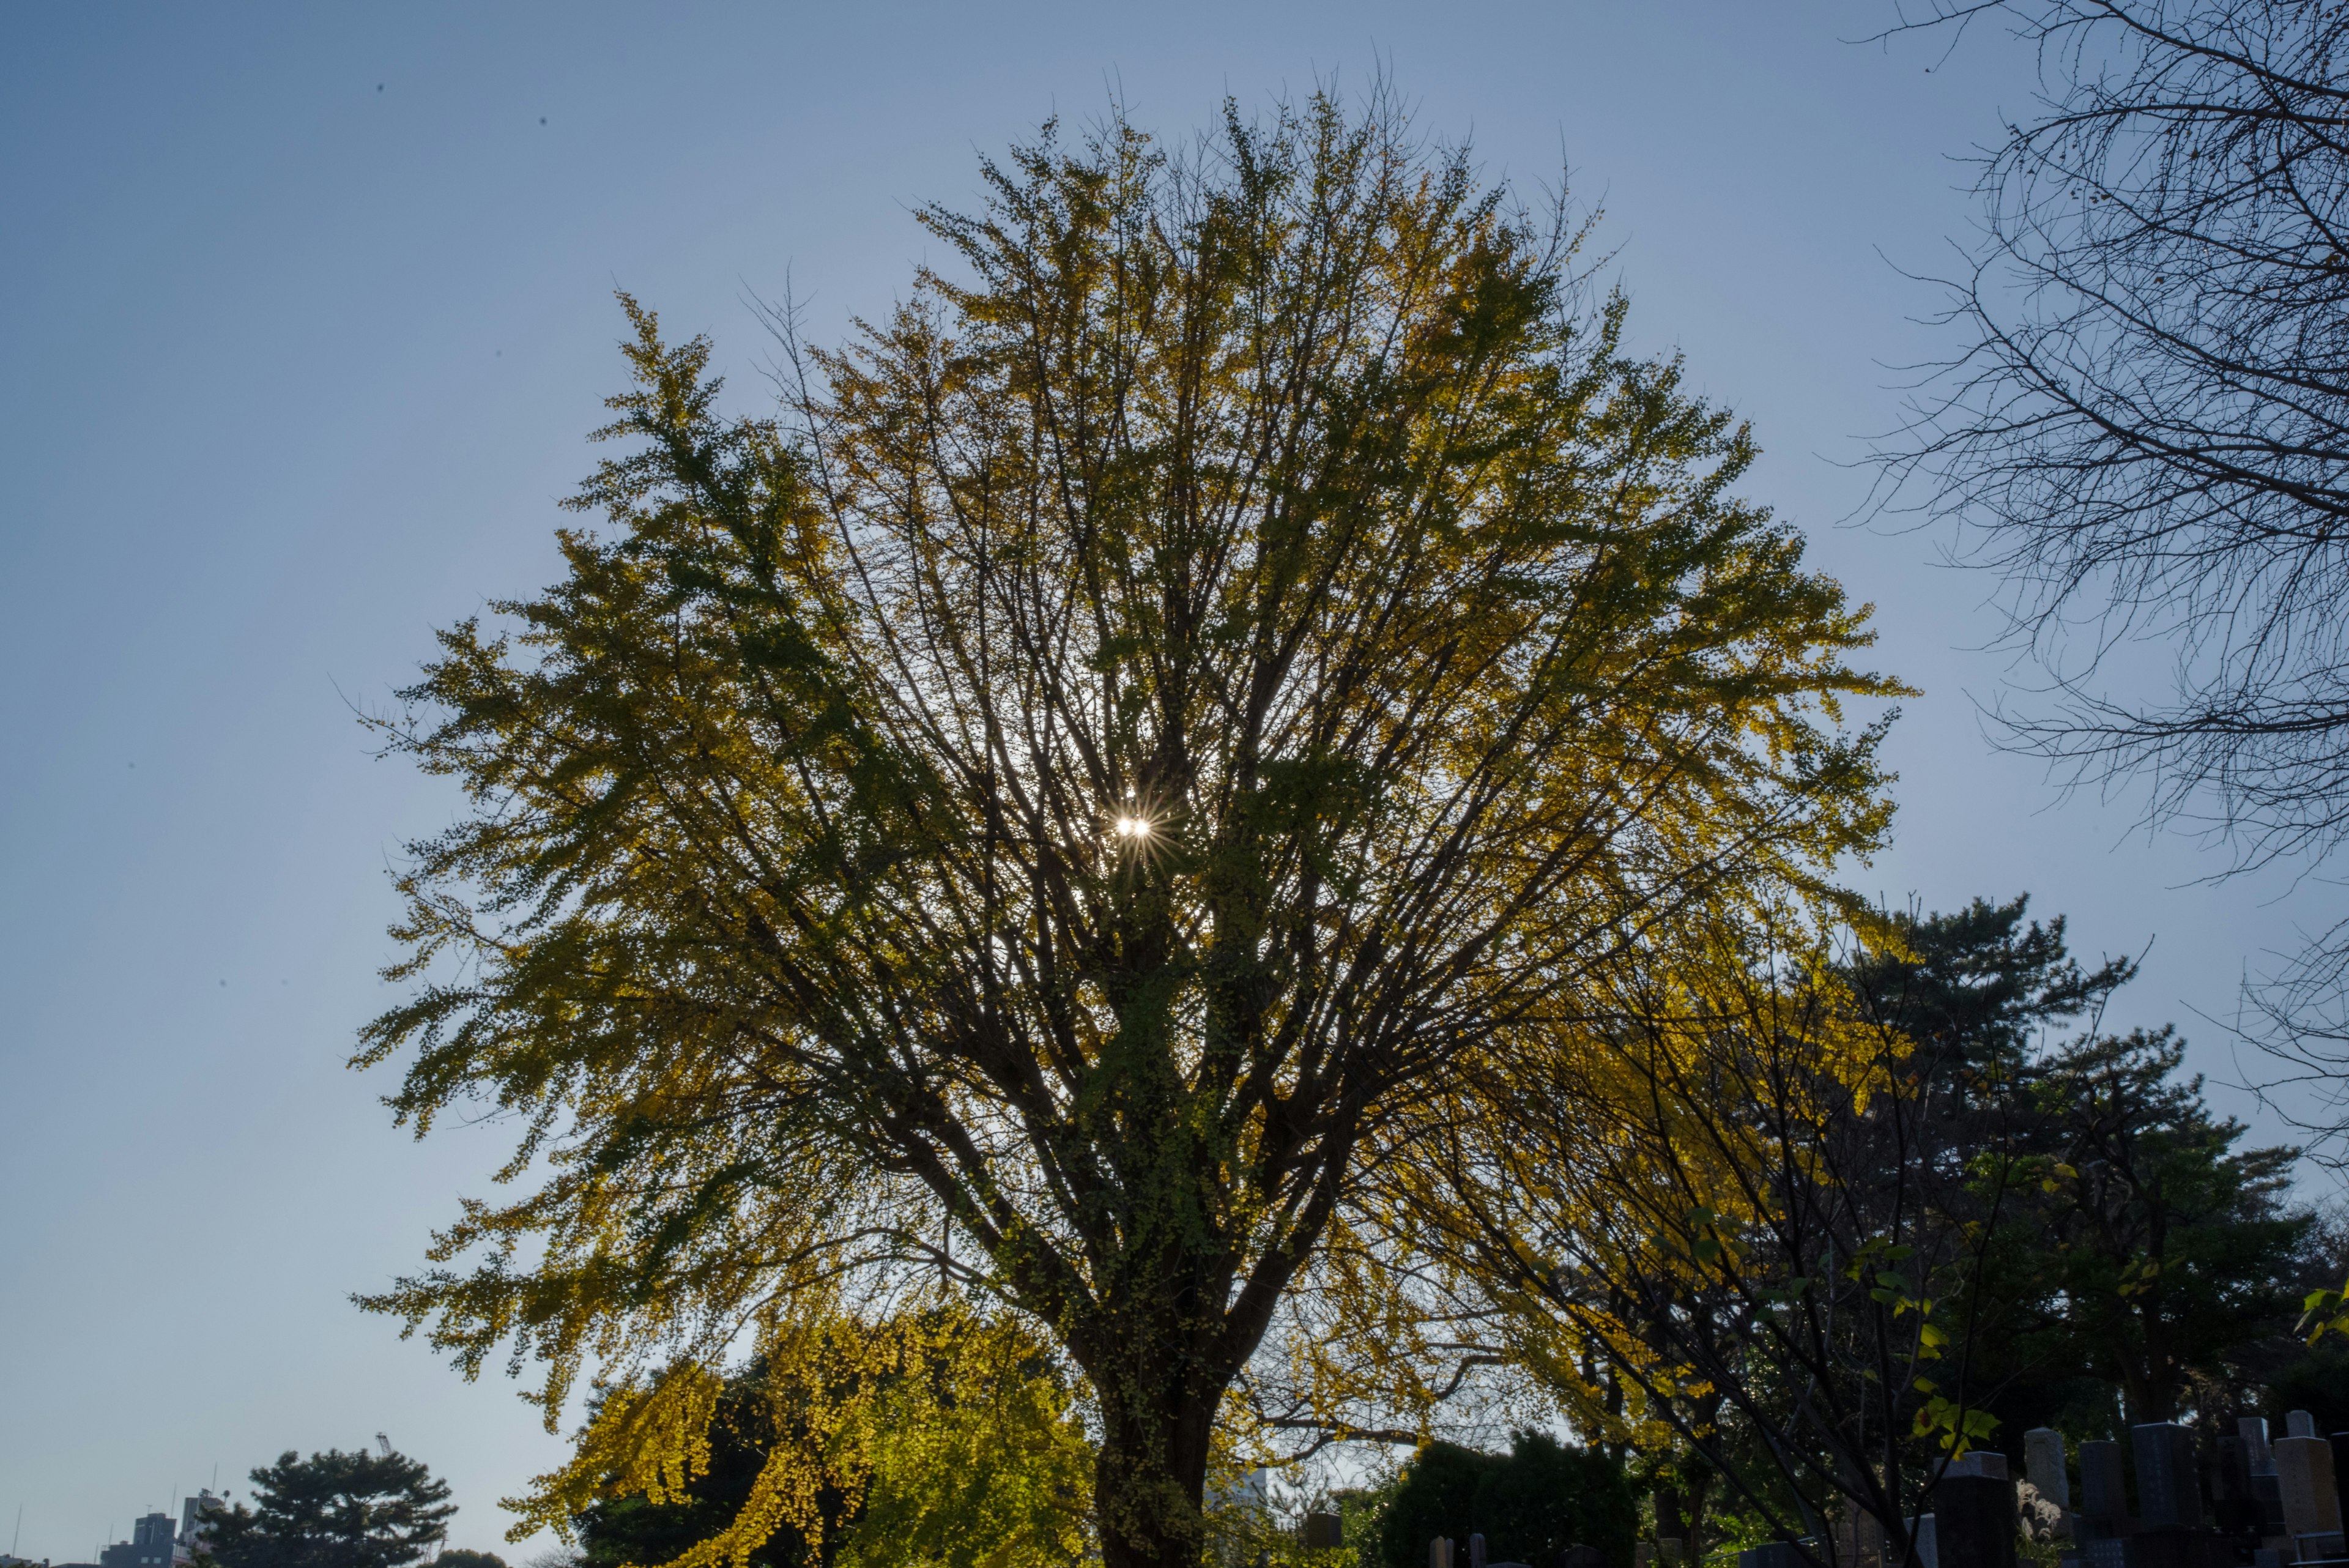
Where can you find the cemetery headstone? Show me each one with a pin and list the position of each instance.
(2104, 1497)
(1859, 1541)
(1439, 1552)
(1927, 1540)
(1476, 1551)
(1979, 1462)
(1973, 1520)
(1324, 1532)
(2234, 1505)
(1669, 1550)
(2168, 1489)
(2253, 1430)
(2231, 1480)
(2043, 1465)
(1580, 1556)
(2299, 1424)
(1644, 1556)
(2304, 1477)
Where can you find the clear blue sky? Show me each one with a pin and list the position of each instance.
(303, 315)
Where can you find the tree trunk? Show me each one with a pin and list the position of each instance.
(1150, 1479)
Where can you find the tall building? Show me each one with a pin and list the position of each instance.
(150, 1546)
(192, 1525)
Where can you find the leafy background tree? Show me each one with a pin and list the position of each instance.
(614, 1531)
(1217, 671)
(333, 1510)
(1859, 1212)
(1530, 1504)
(965, 1444)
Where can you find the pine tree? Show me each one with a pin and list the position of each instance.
(333, 1510)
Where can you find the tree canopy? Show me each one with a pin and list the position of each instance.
(333, 1510)
(1223, 664)
(1530, 1504)
(1833, 1218)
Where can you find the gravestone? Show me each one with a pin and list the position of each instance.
(2043, 1465)
(1981, 1462)
(1324, 1532)
(1476, 1551)
(2231, 1481)
(2168, 1489)
(2304, 1477)
(1859, 1542)
(2180, 1546)
(1771, 1554)
(1669, 1550)
(1580, 1556)
(2299, 1424)
(1439, 1552)
(1644, 1556)
(2253, 1430)
(2267, 1496)
(2234, 1501)
(1921, 1531)
(2104, 1497)
(1973, 1520)
(2339, 1442)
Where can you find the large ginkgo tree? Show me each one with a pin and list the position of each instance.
(1221, 664)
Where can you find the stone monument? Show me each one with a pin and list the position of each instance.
(2253, 1431)
(1928, 1542)
(1859, 1541)
(2305, 1474)
(2043, 1467)
(1973, 1520)
(2104, 1496)
(2168, 1489)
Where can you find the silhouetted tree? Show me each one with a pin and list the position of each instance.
(333, 1510)
(2147, 435)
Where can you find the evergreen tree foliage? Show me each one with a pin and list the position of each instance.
(1974, 989)
(1854, 1214)
(2165, 1250)
(333, 1510)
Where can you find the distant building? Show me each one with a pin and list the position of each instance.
(151, 1544)
(193, 1528)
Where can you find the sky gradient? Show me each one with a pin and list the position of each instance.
(303, 317)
